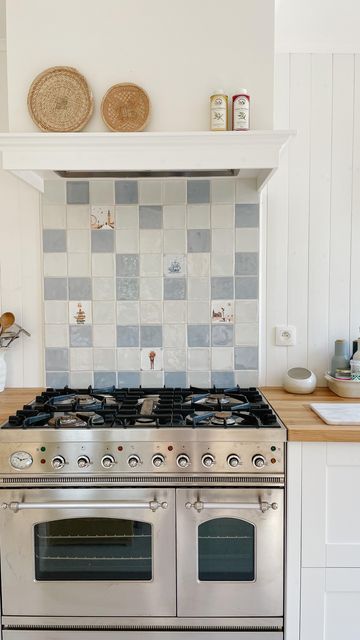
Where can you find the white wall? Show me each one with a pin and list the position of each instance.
(3, 80)
(178, 51)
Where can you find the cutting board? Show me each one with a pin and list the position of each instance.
(346, 413)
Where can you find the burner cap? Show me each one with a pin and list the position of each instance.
(67, 420)
(223, 418)
(81, 400)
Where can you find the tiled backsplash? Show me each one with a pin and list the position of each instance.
(151, 282)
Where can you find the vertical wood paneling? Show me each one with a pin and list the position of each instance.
(355, 221)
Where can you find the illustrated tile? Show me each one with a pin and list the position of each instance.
(103, 264)
(79, 264)
(104, 359)
(198, 288)
(222, 311)
(151, 288)
(151, 312)
(150, 191)
(56, 312)
(151, 264)
(246, 264)
(104, 379)
(77, 192)
(54, 216)
(174, 288)
(222, 264)
(80, 313)
(151, 240)
(176, 379)
(126, 192)
(102, 241)
(222, 379)
(247, 240)
(78, 240)
(222, 358)
(198, 359)
(151, 335)
(174, 359)
(198, 216)
(222, 335)
(127, 312)
(54, 240)
(174, 216)
(222, 241)
(198, 240)
(127, 216)
(198, 191)
(150, 216)
(81, 359)
(151, 359)
(174, 191)
(54, 192)
(174, 241)
(55, 264)
(222, 288)
(174, 335)
(246, 311)
(80, 289)
(198, 312)
(56, 359)
(102, 192)
(174, 265)
(127, 288)
(198, 335)
(103, 289)
(128, 379)
(78, 216)
(102, 218)
(200, 379)
(150, 379)
(246, 358)
(222, 216)
(223, 190)
(127, 336)
(80, 336)
(246, 334)
(81, 379)
(56, 335)
(55, 289)
(246, 287)
(246, 215)
(127, 264)
(128, 359)
(104, 335)
(103, 312)
(174, 311)
(198, 264)
(127, 241)
(57, 379)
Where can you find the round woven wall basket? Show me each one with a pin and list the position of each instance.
(60, 100)
(125, 107)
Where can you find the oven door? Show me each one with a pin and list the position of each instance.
(230, 552)
(88, 552)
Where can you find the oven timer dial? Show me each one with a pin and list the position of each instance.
(183, 460)
(233, 460)
(57, 462)
(21, 460)
(107, 461)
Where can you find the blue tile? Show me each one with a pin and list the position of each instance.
(222, 335)
(127, 264)
(174, 288)
(151, 335)
(222, 288)
(246, 264)
(80, 289)
(151, 217)
(128, 379)
(102, 241)
(198, 240)
(246, 288)
(127, 288)
(55, 289)
(104, 379)
(126, 192)
(198, 191)
(54, 240)
(80, 335)
(127, 335)
(246, 358)
(223, 379)
(198, 335)
(77, 192)
(57, 379)
(246, 215)
(175, 379)
(56, 359)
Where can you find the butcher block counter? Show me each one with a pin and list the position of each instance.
(13, 399)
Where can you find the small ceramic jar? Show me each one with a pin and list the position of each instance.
(299, 380)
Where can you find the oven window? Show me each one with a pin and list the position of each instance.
(226, 550)
(93, 549)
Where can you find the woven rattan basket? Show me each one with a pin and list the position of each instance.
(125, 107)
(60, 99)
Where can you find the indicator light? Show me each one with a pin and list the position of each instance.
(273, 460)
(42, 460)
(42, 448)
(170, 447)
(273, 448)
(120, 448)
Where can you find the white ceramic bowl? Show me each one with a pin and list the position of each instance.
(299, 380)
(343, 388)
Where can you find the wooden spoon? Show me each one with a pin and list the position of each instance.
(7, 319)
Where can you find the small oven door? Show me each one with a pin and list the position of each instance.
(230, 552)
(88, 552)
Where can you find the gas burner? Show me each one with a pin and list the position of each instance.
(66, 420)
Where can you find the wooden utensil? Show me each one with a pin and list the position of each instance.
(7, 319)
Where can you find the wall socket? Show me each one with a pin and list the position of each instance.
(285, 335)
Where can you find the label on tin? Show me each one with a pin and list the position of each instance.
(218, 113)
(241, 113)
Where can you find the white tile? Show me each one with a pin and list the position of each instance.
(223, 190)
(152, 378)
(222, 216)
(128, 359)
(246, 311)
(104, 359)
(81, 359)
(150, 191)
(78, 240)
(198, 216)
(247, 240)
(222, 241)
(56, 311)
(151, 359)
(150, 264)
(151, 288)
(247, 378)
(175, 359)
(78, 216)
(174, 191)
(56, 335)
(79, 264)
(174, 311)
(104, 335)
(151, 312)
(81, 379)
(246, 333)
(174, 241)
(198, 288)
(246, 191)
(127, 216)
(174, 335)
(77, 311)
(103, 289)
(104, 312)
(222, 264)
(151, 240)
(222, 358)
(198, 264)
(127, 312)
(127, 241)
(198, 359)
(201, 379)
(54, 216)
(103, 264)
(174, 216)
(198, 312)
(55, 264)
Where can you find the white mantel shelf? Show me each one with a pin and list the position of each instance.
(252, 153)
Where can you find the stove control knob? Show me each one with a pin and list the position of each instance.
(158, 460)
(183, 460)
(233, 460)
(107, 461)
(207, 460)
(133, 461)
(258, 461)
(57, 462)
(83, 462)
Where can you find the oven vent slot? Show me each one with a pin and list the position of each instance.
(119, 627)
(183, 479)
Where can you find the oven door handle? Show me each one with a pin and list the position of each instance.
(261, 505)
(15, 507)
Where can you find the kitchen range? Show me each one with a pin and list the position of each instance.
(143, 513)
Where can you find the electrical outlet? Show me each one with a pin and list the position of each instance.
(285, 336)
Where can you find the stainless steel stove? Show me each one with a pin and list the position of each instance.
(130, 511)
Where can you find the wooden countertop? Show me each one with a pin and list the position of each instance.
(13, 399)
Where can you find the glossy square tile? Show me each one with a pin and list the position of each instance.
(56, 312)
(104, 359)
(80, 289)
(246, 287)
(222, 335)
(54, 240)
(222, 216)
(150, 191)
(174, 359)
(151, 335)
(81, 379)
(223, 190)
(54, 192)
(103, 289)
(247, 334)
(151, 240)
(126, 192)
(78, 216)
(57, 359)
(77, 192)
(246, 215)
(151, 359)
(198, 191)
(102, 264)
(198, 288)
(198, 359)
(151, 288)
(104, 335)
(174, 191)
(246, 264)
(151, 264)
(56, 335)
(128, 336)
(102, 192)
(55, 289)
(55, 264)
(175, 289)
(127, 312)
(247, 240)
(104, 312)
(198, 264)
(80, 335)
(78, 240)
(223, 379)
(127, 216)
(80, 313)
(127, 265)
(176, 379)
(174, 216)
(57, 379)
(127, 241)
(222, 311)
(104, 379)
(222, 264)
(174, 265)
(81, 359)
(102, 241)
(198, 240)
(223, 241)
(127, 288)
(200, 379)
(152, 379)
(150, 216)
(246, 358)
(198, 216)
(175, 311)
(54, 216)
(246, 311)
(198, 312)
(198, 335)
(79, 264)
(174, 241)
(127, 379)
(246, 191)
(222, 358)
(222, 288)
(128, 359)
(174, 335)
